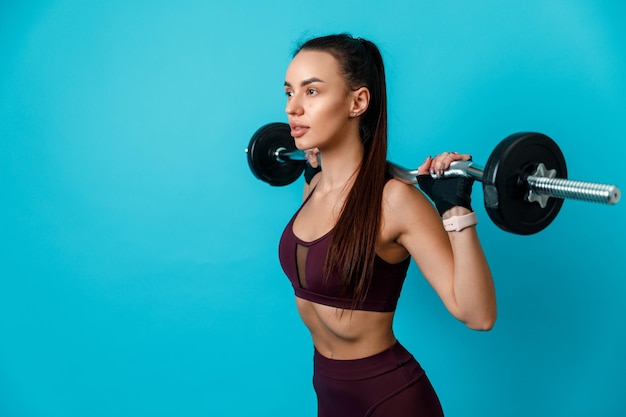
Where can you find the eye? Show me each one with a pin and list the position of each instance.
(289, 93)
(311, 91)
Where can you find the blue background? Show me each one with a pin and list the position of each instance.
(139, 272)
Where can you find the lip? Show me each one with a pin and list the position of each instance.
(298, 130)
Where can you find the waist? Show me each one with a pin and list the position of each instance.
(393, 357)
(346, 334)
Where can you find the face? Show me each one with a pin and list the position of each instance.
(319, 103)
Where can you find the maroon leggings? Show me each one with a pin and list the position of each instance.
(390, 383)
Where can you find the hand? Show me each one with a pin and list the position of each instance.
(311, 156)
(445, 192)
(435, 166)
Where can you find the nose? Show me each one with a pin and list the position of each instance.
(294, 107)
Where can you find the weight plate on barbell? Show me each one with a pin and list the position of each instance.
(505, 186)
(262, 156)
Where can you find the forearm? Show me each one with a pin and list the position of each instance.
(473, 287)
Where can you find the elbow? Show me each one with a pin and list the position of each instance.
(483, 324)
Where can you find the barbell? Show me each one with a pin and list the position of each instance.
(524, 181)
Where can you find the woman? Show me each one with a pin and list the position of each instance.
(347, 249)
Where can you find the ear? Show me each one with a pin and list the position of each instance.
(360, 101)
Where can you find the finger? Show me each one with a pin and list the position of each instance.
(440, 163)
(425, 167)
(460, 156)
(311, 157)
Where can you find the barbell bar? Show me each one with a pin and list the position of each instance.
(542, 184)
(524, 180)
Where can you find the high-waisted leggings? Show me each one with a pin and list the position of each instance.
(390, 384)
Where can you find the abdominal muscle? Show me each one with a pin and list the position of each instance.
(346, 334)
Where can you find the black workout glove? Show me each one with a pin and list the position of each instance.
(447, 192)
(309, 172)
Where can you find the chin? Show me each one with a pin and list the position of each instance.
(303, 144)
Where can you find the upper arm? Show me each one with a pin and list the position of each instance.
(420, 232)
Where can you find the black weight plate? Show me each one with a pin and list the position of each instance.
(505, 187)
(262, 155)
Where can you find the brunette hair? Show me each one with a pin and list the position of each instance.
(353, 246)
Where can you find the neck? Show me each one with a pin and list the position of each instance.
(341, 164)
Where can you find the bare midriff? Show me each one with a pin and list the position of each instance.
(346, 334)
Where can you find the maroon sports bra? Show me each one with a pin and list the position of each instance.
(303, 262)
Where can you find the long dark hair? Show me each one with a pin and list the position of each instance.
(353, 246)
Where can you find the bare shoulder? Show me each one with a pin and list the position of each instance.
(404, 204)
(398, 195)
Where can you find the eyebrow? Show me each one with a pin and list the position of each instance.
(306, 82)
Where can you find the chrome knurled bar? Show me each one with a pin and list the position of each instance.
(577, 190)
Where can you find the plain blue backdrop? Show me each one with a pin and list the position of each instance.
(138, 254)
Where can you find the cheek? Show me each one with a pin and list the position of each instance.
(327, 117)
(333, 112)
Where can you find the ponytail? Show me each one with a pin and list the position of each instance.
(352, 249)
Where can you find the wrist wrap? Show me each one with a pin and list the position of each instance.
(446, 193)
(309, 172)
